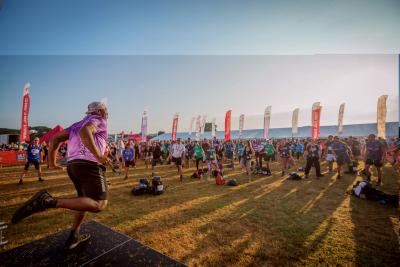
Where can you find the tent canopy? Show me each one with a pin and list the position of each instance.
(46, 138)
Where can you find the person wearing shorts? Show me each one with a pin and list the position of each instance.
(177, 153)
(198, 154)
(87, 155)
(34, 155)
(269, 152)
(330, 155)
(284, 155)
(211, 160)
(156, 157)
(129, 158)
(374, 155)
(228, 148)
(342, 154)
(189, 152)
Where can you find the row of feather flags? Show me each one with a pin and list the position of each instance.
(200, 121)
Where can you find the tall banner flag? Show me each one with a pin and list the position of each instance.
(267, 120)
(381, 116)
(295, 121)
(315, 120)
(213, 127)
(340, 119)
(241, 125)
(175, 126)
(203, 123)
(191, 125)
(198, 128)
(24, 133)
(228, 125)
(144, 126)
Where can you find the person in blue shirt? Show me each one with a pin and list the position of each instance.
(128, 155)
(34, 156)
(299, 149)
(342, 153)
(239, 150)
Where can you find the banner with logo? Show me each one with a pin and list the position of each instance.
(198, 128)
(241, 125)
(381, 116)
(144, 126)
(191, 125)
(295, 121)
(213, 127)
(175, 126)
(340, 119)
(24, 133)
(267, 120)
(228, 125)
(315, 120)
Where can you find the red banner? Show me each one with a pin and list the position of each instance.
(228, 125)
(24, 133)
(12, 157)
(174, 127)
(316, 116)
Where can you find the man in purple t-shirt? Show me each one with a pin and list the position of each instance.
(86, 159)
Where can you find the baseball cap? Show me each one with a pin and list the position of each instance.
(95, 106)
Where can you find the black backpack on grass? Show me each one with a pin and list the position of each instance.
(157, 186)
(294, 176)
(142, 188)
(232, 182)
(265, 171)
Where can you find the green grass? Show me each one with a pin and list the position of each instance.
(268, 221)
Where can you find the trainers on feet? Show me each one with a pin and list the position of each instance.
(20, 182)
(39, 202)
(75, 239)
(40, 179)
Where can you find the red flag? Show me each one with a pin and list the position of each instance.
(228, 125)
(175, 126)
(316, 116)
(24, 133)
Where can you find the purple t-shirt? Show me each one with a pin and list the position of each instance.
(76, 149)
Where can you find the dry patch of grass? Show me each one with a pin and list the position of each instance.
(269, 221)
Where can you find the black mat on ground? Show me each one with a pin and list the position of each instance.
(105, 248)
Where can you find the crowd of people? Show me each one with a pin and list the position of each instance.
(89, 152)
(254, 156)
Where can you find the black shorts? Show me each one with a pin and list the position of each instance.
(155, 161)
(342, 159)
(177, 161)
(376, 163)
(32, 162)
(89, 179)
(129, 163)
(268, 157)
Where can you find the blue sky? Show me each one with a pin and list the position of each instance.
(62, 86)
(136, 69)
(199, 27)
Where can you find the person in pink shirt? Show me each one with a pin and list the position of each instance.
(87, 158)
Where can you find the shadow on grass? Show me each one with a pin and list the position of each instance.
(373, 221)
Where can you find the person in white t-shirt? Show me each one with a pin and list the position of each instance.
(177, 155)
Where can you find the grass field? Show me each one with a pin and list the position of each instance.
(269, 221)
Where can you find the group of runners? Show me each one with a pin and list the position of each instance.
(89, 152)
